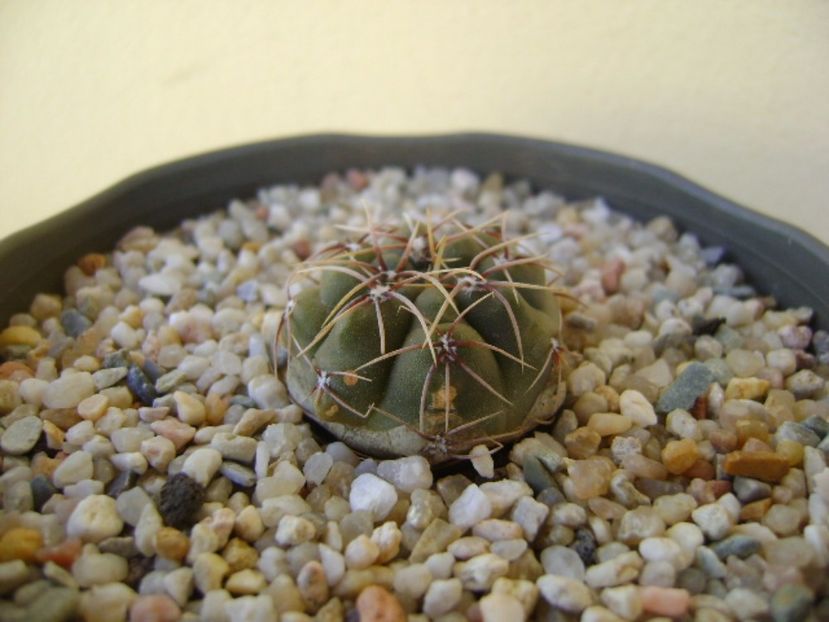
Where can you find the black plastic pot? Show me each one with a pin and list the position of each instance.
(778, 259)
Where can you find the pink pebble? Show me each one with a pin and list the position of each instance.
(154, 608)
(611, 274)
(173, 429)
(666, 601)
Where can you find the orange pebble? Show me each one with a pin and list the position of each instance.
(763, 465)
(679, 456)
(20, 543)
(171, 543)
(376, 604)
(14, 370)
(755, 511)
(665, 601)
(702, 469)
(751, 429)
(91, 263)
(718, 487)
(63, 554)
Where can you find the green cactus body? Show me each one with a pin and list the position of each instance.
(429, 339)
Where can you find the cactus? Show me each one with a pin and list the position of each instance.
(427, 338)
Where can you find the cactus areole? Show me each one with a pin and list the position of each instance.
(427, 338)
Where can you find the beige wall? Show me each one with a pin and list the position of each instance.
(733, 94)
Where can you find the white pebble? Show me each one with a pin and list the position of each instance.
(625, 601)
(482, 461)
(371, 493)
(682, 424)
(251, 609)
(202, 464)
(94, 519)
(442, 596)
(333, 563)
(287, 479)
(130, 461)
(530, 514)
(130, 504)
(268, 392)
(406, 474)
(361, 552)
(161, 284)
(94, 568)
(714, 521)
(636, 406)
(178, 584)
(663, 549)
(562, 561)
(159, 452)
(471, 507)
(125, 335)
(68, 390)
(294, 530)
(565, 593)
(145, 530)
(316, 467)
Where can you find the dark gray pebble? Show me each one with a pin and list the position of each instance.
(117, 359)
(739, 545)
(722, 372)
(123, 546)
(797, 432)
(74, 322)
(42, 491)
(141, 386)
(536, 474)
(740, 292)
(152, 370)
(654, 488)
(747, 489)
(121, 482)
(684, 391)
(791, 603)
(137, 567)
(818, 425)
(820, 342)
(584, 544)
(693, 580)
(551, 496)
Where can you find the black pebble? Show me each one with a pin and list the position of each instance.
(181, 500)
(137, 567)
(42, 491)
(585, 545)
(706, 326)
(141, 386)
(152, 370)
